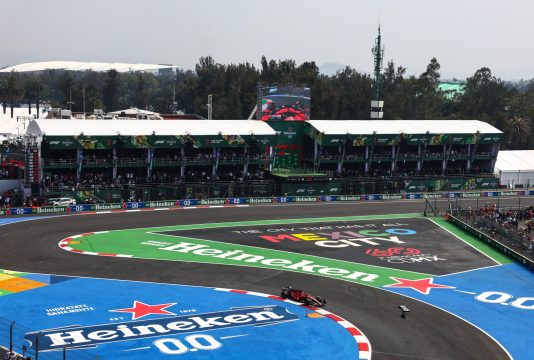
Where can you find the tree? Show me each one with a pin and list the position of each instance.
(429, 97)
(392, 85)
(518, 133)
(353, 95)
(33, 88)
(66, 86)
(3, 93)
(14, 89)
(485, 98)
(111, 90)
(145, 84)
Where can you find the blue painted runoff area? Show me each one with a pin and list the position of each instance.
(499, 300)
(7, 220)
(135, 320)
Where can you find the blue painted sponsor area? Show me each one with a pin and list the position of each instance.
(498, 300)
(137, 320)
(5, 221)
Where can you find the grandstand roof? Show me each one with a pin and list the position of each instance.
(83, 66)
(69, 127)
(368, 127)
(515, 161)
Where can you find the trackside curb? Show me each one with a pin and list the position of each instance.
(364, 346)
(65, 245)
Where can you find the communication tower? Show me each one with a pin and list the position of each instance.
(210, 107)
(377, 105)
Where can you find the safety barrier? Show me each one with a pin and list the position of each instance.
(257, 200)
(503, 248)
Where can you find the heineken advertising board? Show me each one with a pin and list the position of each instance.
(154, 141)
(454, 184)
(394, 139)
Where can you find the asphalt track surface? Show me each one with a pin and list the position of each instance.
(427, 333)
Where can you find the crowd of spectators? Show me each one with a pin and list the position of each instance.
(515, 227)
(8, 199)
(13, 144)
(103, 180)
(165, 177)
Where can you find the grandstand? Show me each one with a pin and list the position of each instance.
(109, 156)
(117, 160)
(403, 147)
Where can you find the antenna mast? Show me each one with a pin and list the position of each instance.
(378, 54)
(210, 107)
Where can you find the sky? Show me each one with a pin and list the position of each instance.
(464, 35)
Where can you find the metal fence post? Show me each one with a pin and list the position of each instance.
(65, 352)
(11, 336)
(37, 347)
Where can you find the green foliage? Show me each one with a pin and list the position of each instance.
(13, 89)
(345, 95)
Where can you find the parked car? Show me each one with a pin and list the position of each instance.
(61, 201)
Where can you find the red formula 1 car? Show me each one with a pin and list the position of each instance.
(300, 296)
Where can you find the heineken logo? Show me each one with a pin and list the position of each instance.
(108, 206)
(471, 194)
(55, 209)
(392, 197)
(212, 201)
(161, 203)
(349, 197)
(85, 336)
(305, 198)
(249, 259)
(261, 200)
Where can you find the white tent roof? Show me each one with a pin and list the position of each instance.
(361, 127)
(133, 111)
(147, 127)
(17, 124)
(83, 66)
(515, 161)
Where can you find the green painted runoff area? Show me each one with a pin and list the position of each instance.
(473, 241)
(149, 243)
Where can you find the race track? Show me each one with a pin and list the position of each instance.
(427, 333)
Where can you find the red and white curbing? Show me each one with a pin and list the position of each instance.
(364, 346)
(65, 245)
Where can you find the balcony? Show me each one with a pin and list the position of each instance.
(407, 157)
(382, 157)
(59, 163)
(232, 160)
(199, 161)
(96, 163)
(128, 162)
(170, 162)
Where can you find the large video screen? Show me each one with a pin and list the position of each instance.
(284, 103)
